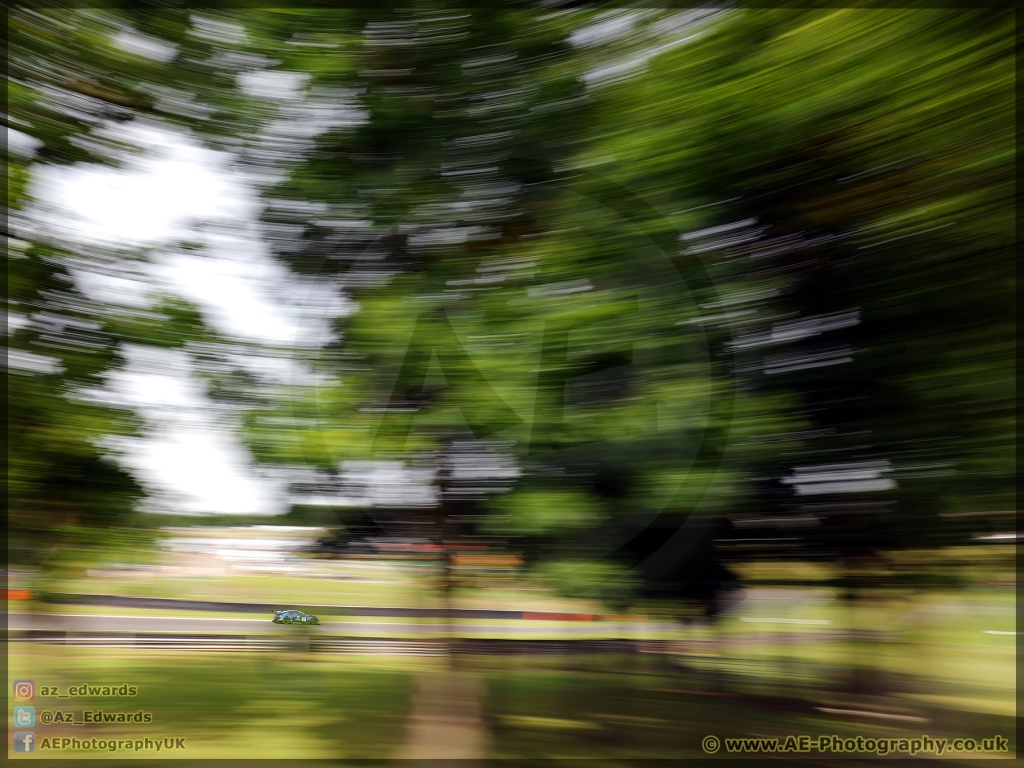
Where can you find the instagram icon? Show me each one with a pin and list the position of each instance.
(24, 690)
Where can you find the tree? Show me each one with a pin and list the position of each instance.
(60, 341)
(505, 292)
(857, 162)
(601, 316)
(74, 81)
(431, 185)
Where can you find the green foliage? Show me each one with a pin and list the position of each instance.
(608, 582)
(539, 259)
(545, 514)
(879, 143)
(70, 83)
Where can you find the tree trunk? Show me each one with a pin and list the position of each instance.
(448, 601)
(864, 678)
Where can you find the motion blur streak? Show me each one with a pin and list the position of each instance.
(602, 379)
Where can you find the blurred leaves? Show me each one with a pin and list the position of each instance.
(662, 266)
(610, 584)
(545, 513)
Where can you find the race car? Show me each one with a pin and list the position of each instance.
(294, 617)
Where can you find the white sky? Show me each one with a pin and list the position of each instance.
(190, 455)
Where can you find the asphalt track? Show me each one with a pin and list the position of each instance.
(163, 603)
(85, 623)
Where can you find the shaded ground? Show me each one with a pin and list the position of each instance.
(447, 718)
(622, 711)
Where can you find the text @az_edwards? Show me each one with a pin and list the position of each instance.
(94, 717)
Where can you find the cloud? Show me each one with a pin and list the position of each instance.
(174, 191)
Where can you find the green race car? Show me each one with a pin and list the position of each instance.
(294, 617)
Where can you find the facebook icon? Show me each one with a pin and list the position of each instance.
(25, 742)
